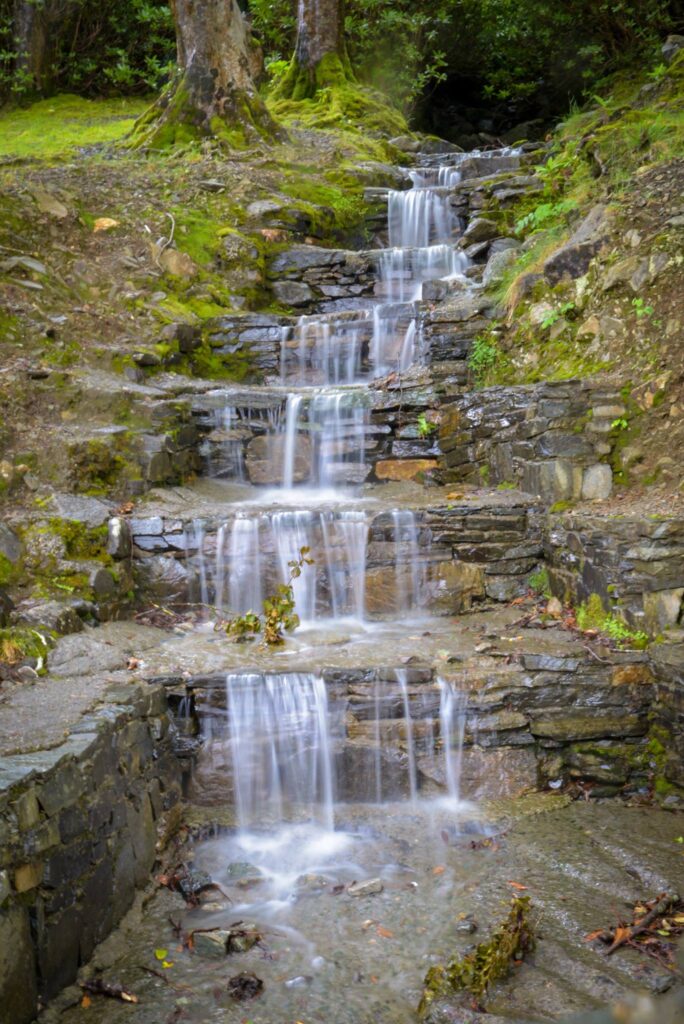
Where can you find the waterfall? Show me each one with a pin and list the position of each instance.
(280, 747)
(410, 586)
(284, 742)
(334, 425)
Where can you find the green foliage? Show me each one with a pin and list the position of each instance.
(17, 644)
(279, 615)
(487, 963)
(94, 47)
(425, 428)
(592, 615)
(484, 356)
(641, 308)
(557, 314)
(539, 582)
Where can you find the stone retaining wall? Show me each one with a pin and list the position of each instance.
(77, 836)
(465, 553)
(635, 565)
(551, 439)
(537, 721)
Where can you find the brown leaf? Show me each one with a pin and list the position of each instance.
(439, 870)
(593, 935)
(517, 885)
(86, 1002)
(384, 933)
(621, 935)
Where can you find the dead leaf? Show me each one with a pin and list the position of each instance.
(384, 933)
(105, 224)
(593, 935)
(517, 885)
(86, 1002)
(439, 870)
(621, 935)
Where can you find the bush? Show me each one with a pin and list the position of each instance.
(93, 47)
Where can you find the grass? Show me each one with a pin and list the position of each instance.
(52, 128)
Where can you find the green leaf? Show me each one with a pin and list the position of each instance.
(161, 954)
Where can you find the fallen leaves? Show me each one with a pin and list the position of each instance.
(518, 886)
(439, 870)
(654, 923)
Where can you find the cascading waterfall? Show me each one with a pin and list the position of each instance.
(335, 424)
(283, 741)
(333, 350)
(239, 565)
(280, 747)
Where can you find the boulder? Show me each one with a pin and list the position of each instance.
(572, 259)
(480, 229)
(497, 266)
(597, 482)
(10, 545)
(403, 469)
(454, 586)
(292, 293)
(266, 456)
(671, 47)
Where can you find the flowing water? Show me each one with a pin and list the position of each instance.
(324, 782)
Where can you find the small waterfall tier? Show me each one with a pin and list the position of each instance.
(360, 571)
(283, 741)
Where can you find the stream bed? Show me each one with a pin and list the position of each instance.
(332, 957)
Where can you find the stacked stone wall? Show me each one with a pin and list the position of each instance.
(78, 832)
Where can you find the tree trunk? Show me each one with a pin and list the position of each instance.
(320, 59)
(214, 93)
(31, 41)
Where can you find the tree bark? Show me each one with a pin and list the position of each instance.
(31, 29)
(320, 59)
(214, 94)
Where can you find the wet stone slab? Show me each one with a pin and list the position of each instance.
(583, 865)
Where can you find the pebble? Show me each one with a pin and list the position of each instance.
(370, 887)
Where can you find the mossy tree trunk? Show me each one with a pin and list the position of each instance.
(320, 59)
(214, 92)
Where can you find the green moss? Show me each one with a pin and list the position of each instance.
(53, 128)
(328, 97)
(560, 506)
(9, 571)
(19, 644)
(592, 615)
(538, 581)
(489, 962)
(80, 540)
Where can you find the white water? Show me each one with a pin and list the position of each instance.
(243, 562)
(283, 743)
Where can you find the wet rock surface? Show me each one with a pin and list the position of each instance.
(575, 861)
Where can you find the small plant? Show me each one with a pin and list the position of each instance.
(425, 428)
(279, 615)
(557, 314)
(619, 424)
(506, 485)
(539, 582)
(483, 357)
(592, 615)
(641, 308)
